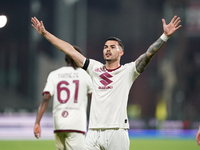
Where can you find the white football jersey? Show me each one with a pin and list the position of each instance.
(69, 88)
(110, 94)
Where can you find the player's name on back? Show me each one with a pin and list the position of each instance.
(68, 75)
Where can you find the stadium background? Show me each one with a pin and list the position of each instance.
(164, 98)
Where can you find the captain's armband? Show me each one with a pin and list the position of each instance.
(86, 63)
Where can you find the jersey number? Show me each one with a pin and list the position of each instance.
(67, 90)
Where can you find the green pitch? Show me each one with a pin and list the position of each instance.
(163, 144)
(136, 144)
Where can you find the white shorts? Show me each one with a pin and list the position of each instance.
(107, 139)
(69, 140)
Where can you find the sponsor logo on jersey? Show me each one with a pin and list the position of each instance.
(105, 81)
(99, 70)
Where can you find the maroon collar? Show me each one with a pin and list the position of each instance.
(110, 70)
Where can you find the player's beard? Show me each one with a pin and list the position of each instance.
(111, 59)
(106, 59)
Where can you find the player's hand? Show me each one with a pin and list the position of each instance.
(170, 28)
(38, 25)
(37, 131)
(198, 137)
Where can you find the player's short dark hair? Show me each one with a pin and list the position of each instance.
(116, 39)
(70, 61)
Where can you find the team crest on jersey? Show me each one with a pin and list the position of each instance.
(65, 114)
(105, 81)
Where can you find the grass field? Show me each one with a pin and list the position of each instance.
(136, 144)
(163, 145)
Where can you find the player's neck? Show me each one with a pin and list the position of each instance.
(112, 65)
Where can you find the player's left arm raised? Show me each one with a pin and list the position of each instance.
(169, 29)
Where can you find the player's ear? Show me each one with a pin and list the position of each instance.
(121, 52)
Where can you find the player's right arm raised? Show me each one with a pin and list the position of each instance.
(58, 43)
(169, 29)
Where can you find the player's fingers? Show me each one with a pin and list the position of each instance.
(178, 27)
(177, 21)
(36, 135)
(36, 28)
(33, 26)
(33, 21)
(41, 23)
(172, 21)
(163, 21)
(36, 20)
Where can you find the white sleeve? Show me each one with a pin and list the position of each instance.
(49, 87)
(89, 84)
(133, 72)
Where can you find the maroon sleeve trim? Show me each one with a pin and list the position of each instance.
(45, 92)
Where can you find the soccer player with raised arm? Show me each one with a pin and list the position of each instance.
(108, 122)
(70, 87)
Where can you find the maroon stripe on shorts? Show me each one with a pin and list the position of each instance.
(56, 131)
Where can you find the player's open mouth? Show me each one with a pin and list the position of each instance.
(108, 54)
